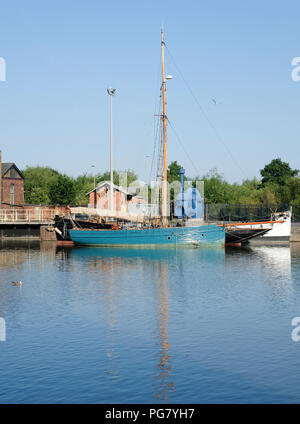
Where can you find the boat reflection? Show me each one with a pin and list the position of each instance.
(163, 382)
(112, 262)
(110, 302)
(277, 259)
(116, 268)
(270, 267)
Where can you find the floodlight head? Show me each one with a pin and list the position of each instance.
(169, 77)
(111, 91)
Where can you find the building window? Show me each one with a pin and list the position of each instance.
(13, 173)
(12, 194)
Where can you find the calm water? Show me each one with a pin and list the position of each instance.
(95, 325)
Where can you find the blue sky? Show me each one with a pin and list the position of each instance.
(62, 55)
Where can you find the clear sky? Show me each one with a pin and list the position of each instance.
(62, 55)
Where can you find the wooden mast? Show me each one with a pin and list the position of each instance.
(164, 122)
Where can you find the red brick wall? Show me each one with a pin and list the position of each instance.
(19, 190)
(103, 199)
(92, 197)
(0, 177)
(45, 211)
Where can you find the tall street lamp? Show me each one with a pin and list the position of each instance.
(93, 166)
(147, 157)
(111, 93)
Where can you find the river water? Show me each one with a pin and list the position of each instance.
(185, 325)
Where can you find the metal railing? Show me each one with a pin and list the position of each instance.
(240, 212)
(26, 216)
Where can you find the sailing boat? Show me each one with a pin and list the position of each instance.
(164, 234)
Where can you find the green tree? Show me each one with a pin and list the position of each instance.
(270, 194)
(277, 172)
(37, 183)
(39, 196)
(216, 189)
(292, 191)
(83, 185)
(105, 176)
(62, 191)
(173, 172)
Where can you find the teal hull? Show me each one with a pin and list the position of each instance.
(201, 235)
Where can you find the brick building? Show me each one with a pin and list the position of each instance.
(124, 200)
(11, 185)
(99, 197)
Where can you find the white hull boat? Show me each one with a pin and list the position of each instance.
(280, 231)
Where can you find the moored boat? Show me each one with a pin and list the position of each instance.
(240, 235)
(277, 230)
(280, 233)
(193, 236)
(163, 235)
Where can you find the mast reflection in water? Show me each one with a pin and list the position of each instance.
(185, 325)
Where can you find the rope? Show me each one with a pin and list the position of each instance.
(210, 123)
(182, 145)
(247, 238)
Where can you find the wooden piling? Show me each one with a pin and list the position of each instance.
(47, 233)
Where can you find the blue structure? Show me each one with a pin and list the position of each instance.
(189, 203)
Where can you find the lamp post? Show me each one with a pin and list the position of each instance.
(94, 172)
(147, 157)
(181, 172)
(111, 93)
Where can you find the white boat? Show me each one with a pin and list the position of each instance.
(276, 230)
(280, 231)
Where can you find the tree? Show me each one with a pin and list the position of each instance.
(37, 182)
(269, 194)
(83, 185)
(277, 172)
(291, 193)
(105, 176)
(38, 196)
(173, 172)
(215, 188)
(62, 191)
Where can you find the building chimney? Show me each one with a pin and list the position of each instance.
(0, 178)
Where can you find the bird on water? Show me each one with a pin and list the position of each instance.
(17, 283)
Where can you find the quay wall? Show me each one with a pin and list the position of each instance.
(23, 231)
(295, 232)
(29, 222)
(27, 232)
